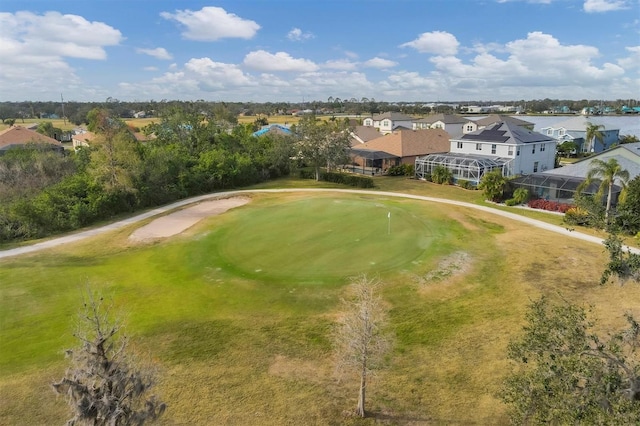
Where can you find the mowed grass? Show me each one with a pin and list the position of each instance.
(237, 312)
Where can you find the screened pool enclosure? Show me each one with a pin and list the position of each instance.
(462, 166)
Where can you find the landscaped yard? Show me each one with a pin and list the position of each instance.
(237, 312)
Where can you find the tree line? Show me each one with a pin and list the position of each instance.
(190, 153)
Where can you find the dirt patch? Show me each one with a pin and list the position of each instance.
(455, 264)
(182, 220)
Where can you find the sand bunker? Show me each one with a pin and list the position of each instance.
(181, 220)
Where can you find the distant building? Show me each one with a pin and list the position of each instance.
(575, 130)
(389, 121)
(451, 123)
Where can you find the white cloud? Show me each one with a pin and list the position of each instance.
(436, 42)
(280, 61)
(150, 68)
(34, 50)
(340, 64)
(158, 53)
(379, 63)
(196, 76)
(212, 23)
(632, 62)
(296, 34)
(540, 60)
(597, 6)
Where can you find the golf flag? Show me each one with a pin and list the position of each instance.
(389, 215)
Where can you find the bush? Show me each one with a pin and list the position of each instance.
(340, 178)
(442, 175)
(576, 216)
(401, 170)
(466, 184)
(552, 206)
(520, 195)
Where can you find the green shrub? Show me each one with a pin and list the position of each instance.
(306, 174)
(466, 184)
(520, 195)
(442, 175)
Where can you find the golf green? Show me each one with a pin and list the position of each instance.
(321, 238)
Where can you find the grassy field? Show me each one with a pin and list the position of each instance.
(237, 312)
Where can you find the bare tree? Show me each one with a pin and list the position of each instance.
(360, 342)
(103, 385)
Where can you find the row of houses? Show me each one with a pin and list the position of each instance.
(471, 148)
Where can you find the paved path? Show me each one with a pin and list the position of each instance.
(117, 225)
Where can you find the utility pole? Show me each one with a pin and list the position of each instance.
(64, 117)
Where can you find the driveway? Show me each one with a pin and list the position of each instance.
(54, 242)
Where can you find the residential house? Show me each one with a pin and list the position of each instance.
(400, 147)
(575, 130)
(82, 139)
(511, 148)
(389, 121)
(560, 184)
(273, 129)
(451, 123)
(363, 134)
(18, 136)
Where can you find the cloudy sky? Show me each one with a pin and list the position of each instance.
(282, 50)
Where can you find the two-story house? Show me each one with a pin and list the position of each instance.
(575, 130)
(389, 121)
(472, 125)
(513, 149)
(451, 123)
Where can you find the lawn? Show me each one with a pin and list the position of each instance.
(237, 312)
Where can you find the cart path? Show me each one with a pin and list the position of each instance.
(54, 242)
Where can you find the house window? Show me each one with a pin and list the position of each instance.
(517, 151)
(470, 128)
(493, 148)
(542, 147)
(459, 145)
(561, 132)
(510, 151)
(535, 167)
(478, 147)
(533, 149)
(550, 132)
(385, 123)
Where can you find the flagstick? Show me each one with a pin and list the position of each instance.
(389, 226)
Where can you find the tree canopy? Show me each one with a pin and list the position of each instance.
(566, 373)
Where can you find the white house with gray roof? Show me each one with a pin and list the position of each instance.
(451, 123)
(513, 149)
(389, 121)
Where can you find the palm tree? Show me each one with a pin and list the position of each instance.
(594, 134)
(608, 172)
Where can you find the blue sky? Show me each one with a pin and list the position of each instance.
(282, 50)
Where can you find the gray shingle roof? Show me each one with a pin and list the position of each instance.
(506, 132)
